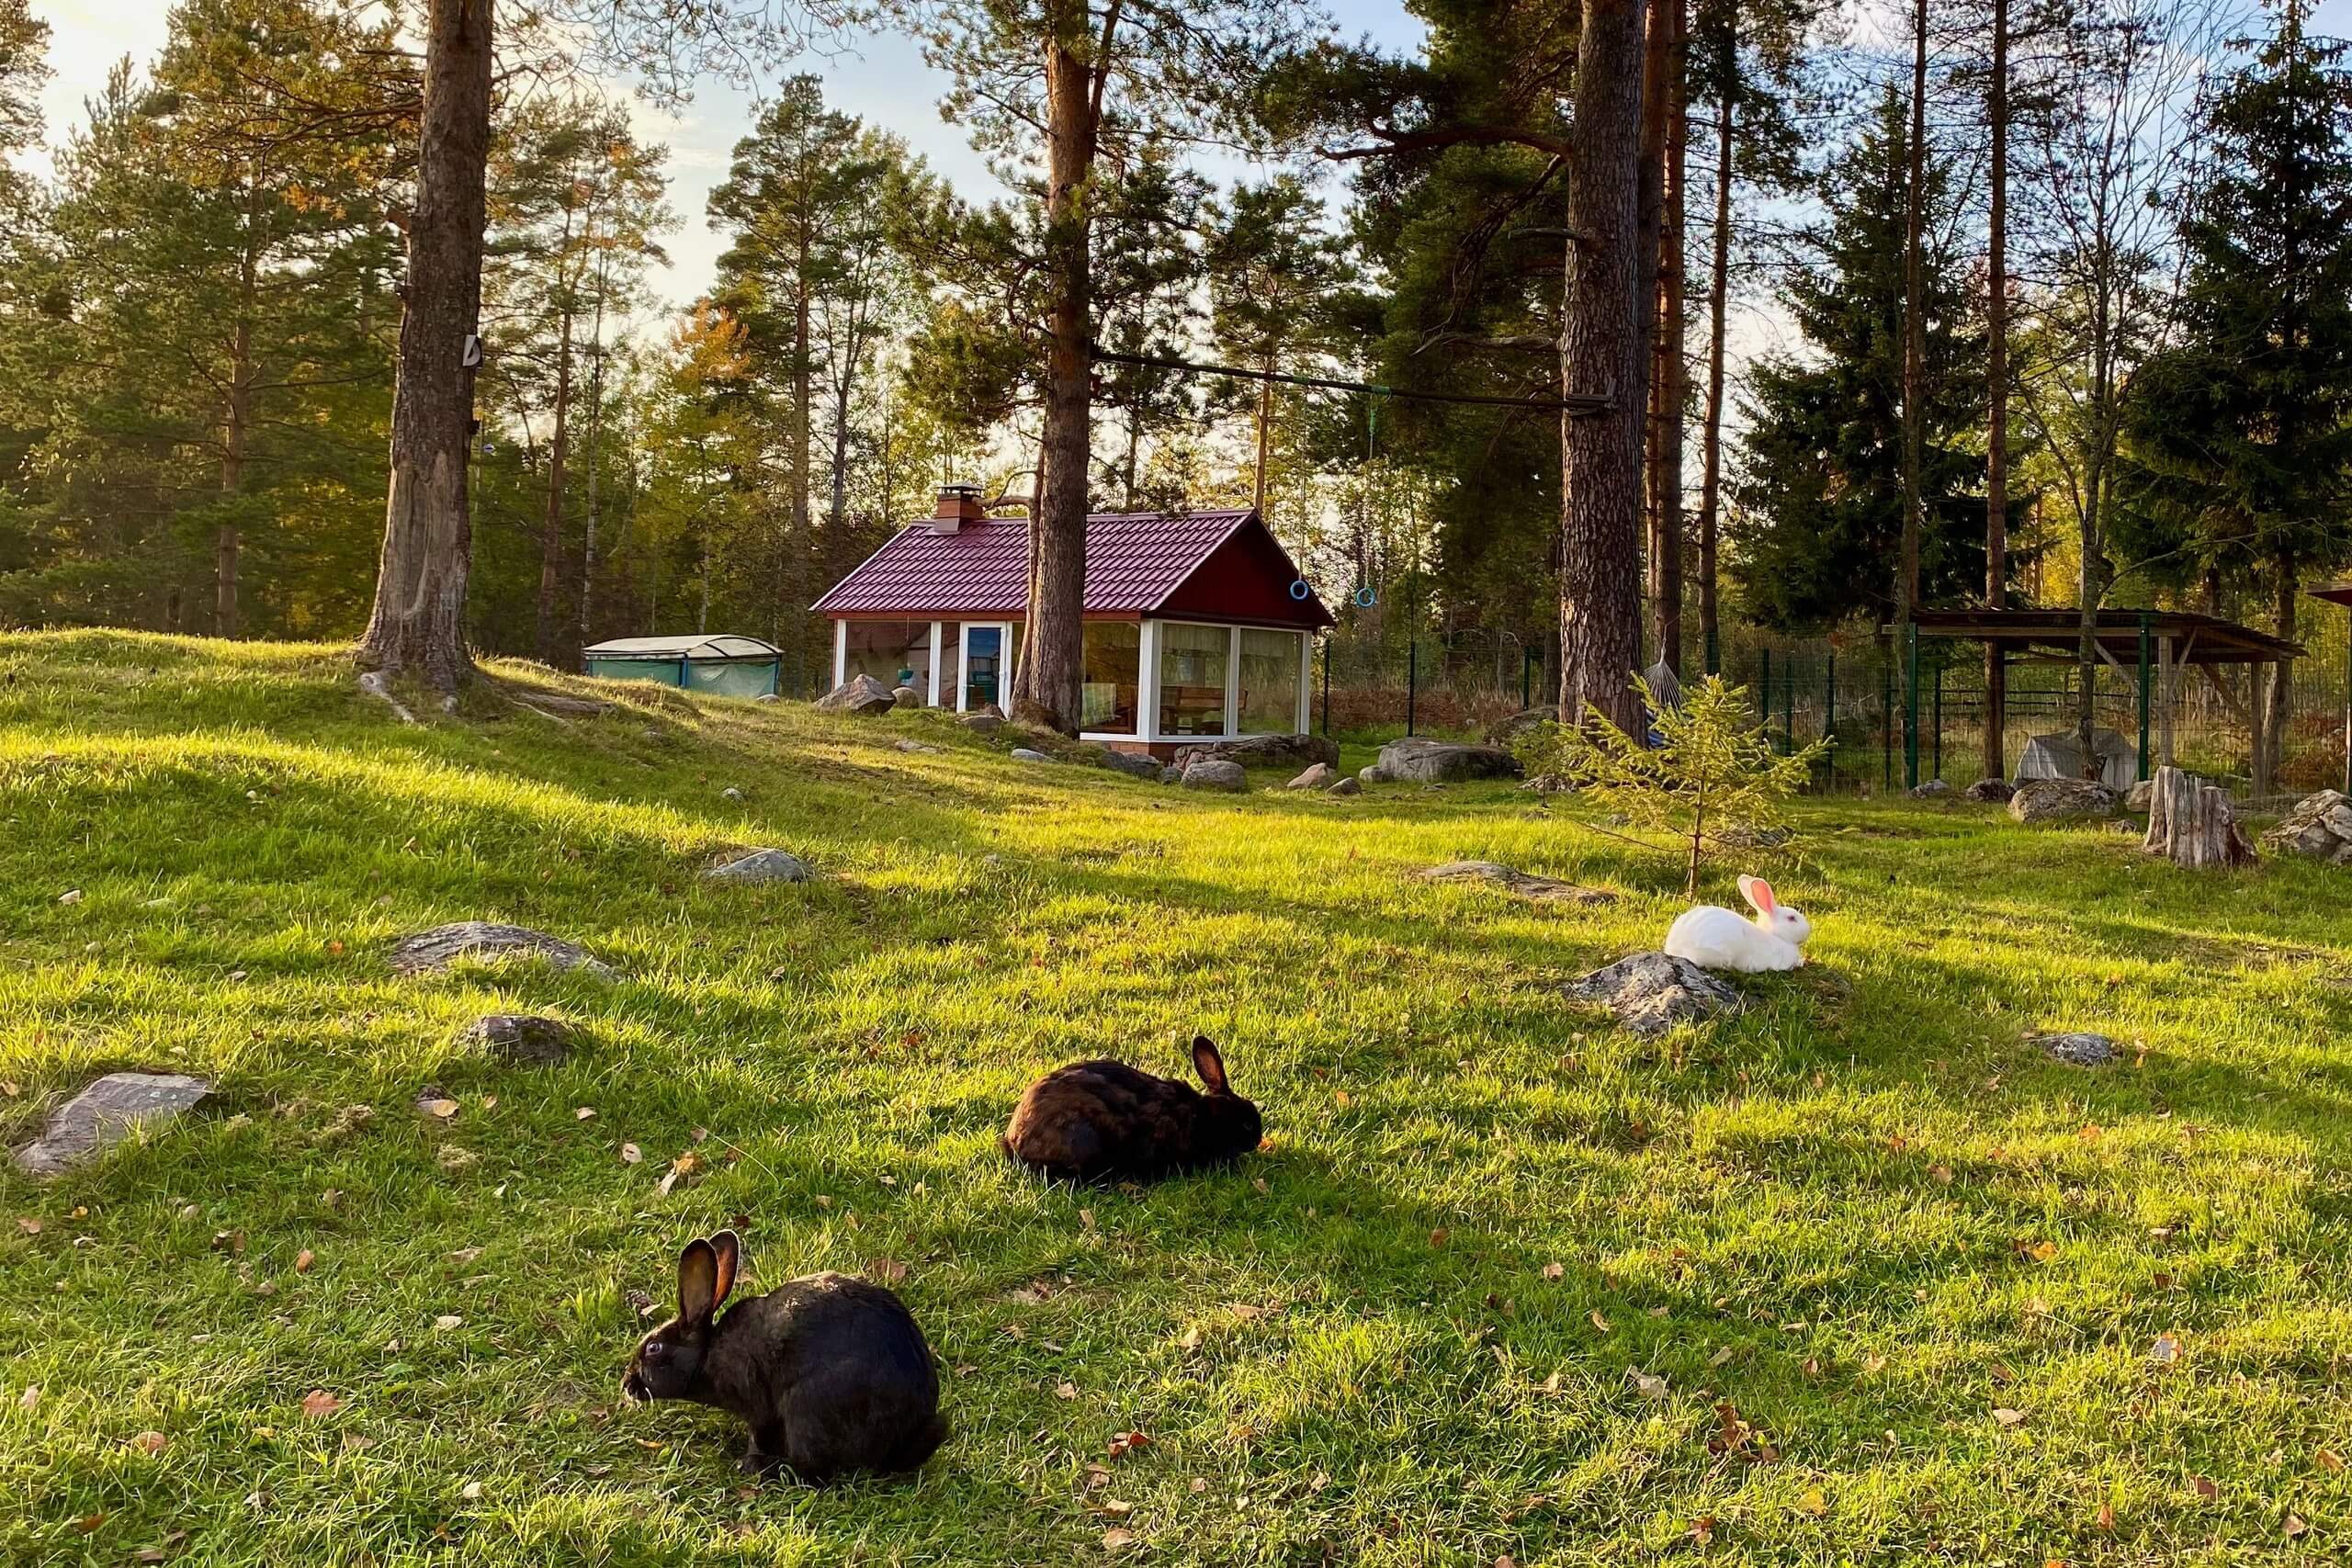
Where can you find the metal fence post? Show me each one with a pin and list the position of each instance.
(1886, 720)
(1829, 700)
(1939, 719)
(1910, 705)
(2146, 631)
(1412, 679)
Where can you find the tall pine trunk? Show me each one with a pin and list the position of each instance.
(1667, 383)
(1711, 462)
(595, 442)
(417, 627)
(1915, 328)
(236, 425)
(1265, 441)
(1995, 762)
(803, 385)
(1602, 313)
(551, 521)
(1045, 686)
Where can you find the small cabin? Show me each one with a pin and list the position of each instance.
(1198, 625)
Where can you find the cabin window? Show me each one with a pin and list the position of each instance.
(897, 653)
(1192, 667)
(1114, 677)
(1270, 666)
(951, 662)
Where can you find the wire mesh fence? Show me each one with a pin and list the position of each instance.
(1853, 691)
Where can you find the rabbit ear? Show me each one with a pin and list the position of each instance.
(1758, 892)
(698, 1283)
(1209, 1065)
(728, 1248)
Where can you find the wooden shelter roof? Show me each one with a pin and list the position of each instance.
(2196, 640)
(2334, 593)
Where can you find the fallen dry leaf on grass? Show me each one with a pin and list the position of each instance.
(2204, 1488)
(1555, 1270)
(1112, 1540)
(2330, 1461)
(470, 1491)
(27, 1224)
(151, 1443)
(888, 1269)
(318, 1401)
(1598, 1321)
(303, 1260)
(582, 1114)
(2009, 1417)
(1065, 1390)
(2295, 1526)
(447, 1321)
(440, 1110)
(1649, 1386)
(29, 1400)
(1129, 1442)
(1814, 1502)
(631, 1154)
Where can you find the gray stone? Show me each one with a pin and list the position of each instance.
(1742, 837)
(1503, 731)
(1262, 750)
(2058, 800)
(1652, 992)
(106, 1112)
(859, 695)
(1930, 790)
(767, 698)
(1135, 764)
(1416, 759)
(520, 1040)
(2076, 1050)
(1373, 775)
(1346, 787)
(1995, 792)
(443, 945)
(982, 723)
(1545, 889)
(1319, 776)
(731, 793)
(2320, 826)
(1023, 754)
(906, 696)
(2140, 796)
(761, 866)
(916, 748)
(1215, 775)
(1172, 774)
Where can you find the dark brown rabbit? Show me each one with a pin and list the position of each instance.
(830, 1372)
(1105, 1121)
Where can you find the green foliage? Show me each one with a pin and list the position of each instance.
(1818, 518)
(1708, 772)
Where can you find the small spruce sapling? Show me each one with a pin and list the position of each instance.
(1712, 771)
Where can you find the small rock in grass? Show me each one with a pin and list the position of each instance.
(1319, 776)
(443, 945)
(906, 696)
(761, 866)
(731, 793)
(1135, 764)
(1652, 992)
(914, 746)
(1023, 754)
(2076, 1050)
(104, 1113)
(1545, 889)
(1995, 791)
(1930, 790)
(1373, 775)
(1214, 774)
(1172, 774)
(520, 1040)
(2141, 795)
(982, 723)
(1345, 786)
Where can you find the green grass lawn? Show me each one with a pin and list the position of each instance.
(1893, 1283)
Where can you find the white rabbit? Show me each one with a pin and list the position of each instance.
(1715, 938)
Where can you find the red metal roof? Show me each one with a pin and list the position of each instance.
(1135, 563)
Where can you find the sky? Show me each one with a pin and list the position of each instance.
(881, 78)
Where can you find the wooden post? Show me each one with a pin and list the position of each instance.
(2191, 824)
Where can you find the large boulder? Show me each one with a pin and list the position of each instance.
(1544, 889)
(105, 1114)
(444, 945)
(1416, 759)
(2320, 826)
(1135, 764)
(859, 695)
(1216, 773)
(761, 866)
(1503, 731)
(2060, 800)
(1319, 776)
(906, 697)
(1652, 992)
(1262, 750)
(1993, 791)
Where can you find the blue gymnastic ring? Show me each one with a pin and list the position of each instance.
(1366, 597)
(1298, 589)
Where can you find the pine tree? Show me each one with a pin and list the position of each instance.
(1820, 511)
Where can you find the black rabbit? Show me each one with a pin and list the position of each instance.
(1105, 1121)
(830, 1372)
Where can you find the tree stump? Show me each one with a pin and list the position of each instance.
(2191, 824)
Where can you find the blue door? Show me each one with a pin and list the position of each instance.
(983, 662)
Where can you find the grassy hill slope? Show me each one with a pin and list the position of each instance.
(1910, 1286)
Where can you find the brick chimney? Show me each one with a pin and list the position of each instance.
(958, 505)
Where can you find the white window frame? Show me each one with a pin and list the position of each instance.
(931, 698)
(1007, 651)
(1146, 687)
(840, 651)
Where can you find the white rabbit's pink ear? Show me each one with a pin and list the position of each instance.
(1758, 892)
